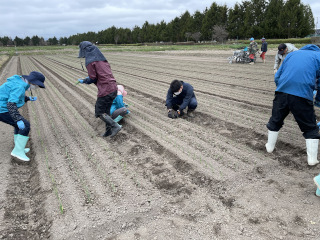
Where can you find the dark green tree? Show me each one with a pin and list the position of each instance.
(5, 40)
(185, 25)
(197, 20)
(18, 41)
(235, 25)
(27, 41)
(136, 34)
(35, 40)
(272, 26)
(216, 15)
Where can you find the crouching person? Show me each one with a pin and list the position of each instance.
(179, 97)
(296, 80)
(12, 97)
(119, 108)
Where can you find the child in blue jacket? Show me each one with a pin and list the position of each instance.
(119, 108)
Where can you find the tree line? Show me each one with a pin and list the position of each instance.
(254, 18)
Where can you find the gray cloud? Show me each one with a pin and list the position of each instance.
(62, 18)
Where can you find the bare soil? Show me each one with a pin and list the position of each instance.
(207, 177)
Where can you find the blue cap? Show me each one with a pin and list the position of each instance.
(251, 39)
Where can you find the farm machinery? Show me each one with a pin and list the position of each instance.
(241, 56)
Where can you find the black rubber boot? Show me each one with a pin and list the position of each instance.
(108, 131)
(112, 128)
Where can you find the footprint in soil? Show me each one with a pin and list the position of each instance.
(136, 149)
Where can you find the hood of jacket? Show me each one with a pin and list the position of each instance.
(311, 47)
(13, 90)
(18, 80)
(90, 52)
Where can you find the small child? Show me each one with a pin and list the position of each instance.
(264, 48)
(119, 108)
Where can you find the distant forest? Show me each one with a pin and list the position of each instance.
(255, 18)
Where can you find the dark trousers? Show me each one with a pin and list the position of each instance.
(176, 102)
(6, 118)
(302, 110)
(103, 104)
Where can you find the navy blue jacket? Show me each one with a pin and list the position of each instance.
(264, 46)
(185, 96)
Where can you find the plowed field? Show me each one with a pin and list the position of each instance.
(207, 177)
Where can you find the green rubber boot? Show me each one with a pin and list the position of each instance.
(26, 150)
(18, 151)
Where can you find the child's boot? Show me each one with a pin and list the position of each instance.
(317, 182)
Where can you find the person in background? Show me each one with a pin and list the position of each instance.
(12, 97)
(253, 48)
(296, 79)
(180, 96)
(100, 74)
(119, 108)
(283, 50)
(264, 49)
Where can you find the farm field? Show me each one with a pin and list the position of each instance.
(207, 177)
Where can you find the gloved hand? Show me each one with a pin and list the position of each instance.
(170, 114)
(80, 80)
(317, 103)
(275, 71)
(177, 114)
(21, 125)
(33, 98)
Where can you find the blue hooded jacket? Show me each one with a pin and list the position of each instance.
(12, 91)
(299, 72)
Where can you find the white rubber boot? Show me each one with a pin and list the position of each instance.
(272, 139)
(312, 151)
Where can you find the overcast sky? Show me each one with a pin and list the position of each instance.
(63, 18)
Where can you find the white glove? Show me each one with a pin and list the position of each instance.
(275, 71)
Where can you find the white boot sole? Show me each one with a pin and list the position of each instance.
(22, 159)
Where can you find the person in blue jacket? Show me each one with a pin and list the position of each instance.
(296, 80)
(12, 97)
(180, 96)
(119, 108)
